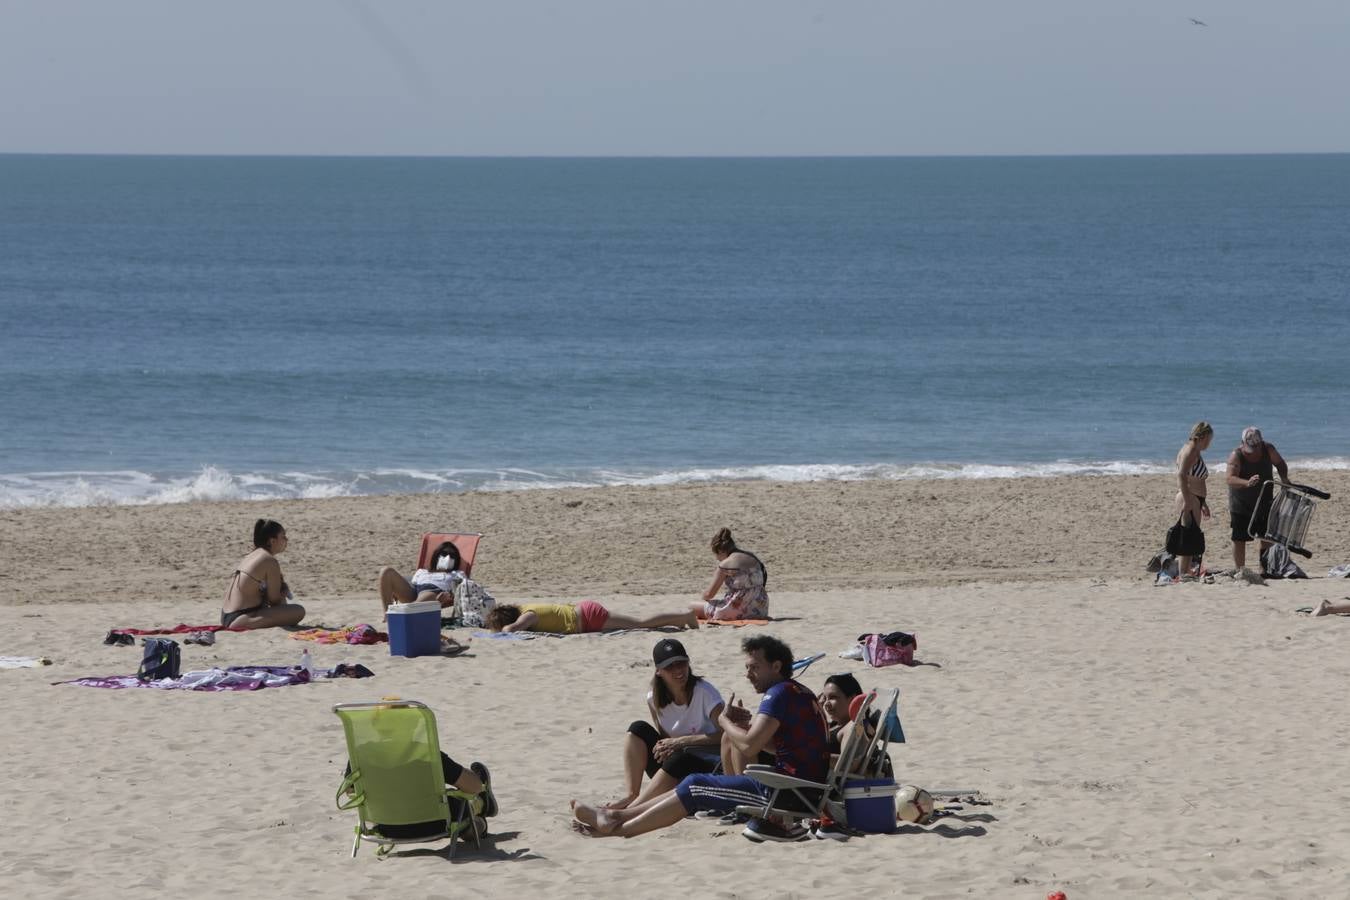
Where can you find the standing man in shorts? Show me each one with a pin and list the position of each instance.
(1250, 466)
(789, 722)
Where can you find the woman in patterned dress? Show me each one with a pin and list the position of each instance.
(743, 576)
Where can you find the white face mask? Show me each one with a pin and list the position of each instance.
(445, 563)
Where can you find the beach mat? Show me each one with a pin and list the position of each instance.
(352, 634)
(734, 623)
(177, 629)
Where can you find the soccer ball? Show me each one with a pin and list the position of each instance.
(913, 804)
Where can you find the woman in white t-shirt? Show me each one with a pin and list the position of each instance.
(683, 737)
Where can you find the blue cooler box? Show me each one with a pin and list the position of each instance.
(870, 805)
(415, 628)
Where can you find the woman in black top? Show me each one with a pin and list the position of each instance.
(1251, 465)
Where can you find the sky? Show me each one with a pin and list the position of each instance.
(674, 78)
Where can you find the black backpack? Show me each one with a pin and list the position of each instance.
(159, 661)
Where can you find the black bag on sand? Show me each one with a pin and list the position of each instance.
(1185, 540)
(159, 661)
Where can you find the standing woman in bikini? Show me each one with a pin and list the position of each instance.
(1191, 505)
(258, 597)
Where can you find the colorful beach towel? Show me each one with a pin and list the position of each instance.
(352, 634)
(128, 635)
(235, 678)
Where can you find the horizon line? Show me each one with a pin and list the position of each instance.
(670, 156)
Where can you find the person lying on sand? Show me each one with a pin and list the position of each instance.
(257, 596)
(789, 719)
(1327, 608)
(576, 618)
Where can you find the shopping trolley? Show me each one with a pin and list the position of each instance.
(1291, 509)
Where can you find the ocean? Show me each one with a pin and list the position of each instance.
(199, 328)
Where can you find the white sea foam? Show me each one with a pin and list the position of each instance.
(210, 484)
(1320, 463)
(887, 472)
(213, 484)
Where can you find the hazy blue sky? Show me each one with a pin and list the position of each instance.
(680, 77)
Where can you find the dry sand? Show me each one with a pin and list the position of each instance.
(1132, 740)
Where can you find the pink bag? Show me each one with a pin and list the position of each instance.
(895, 648)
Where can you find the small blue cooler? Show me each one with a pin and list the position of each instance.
(870, 805)
(415, 628)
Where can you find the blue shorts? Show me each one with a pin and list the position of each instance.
(719, 793)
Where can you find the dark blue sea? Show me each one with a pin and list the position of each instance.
(178, 328)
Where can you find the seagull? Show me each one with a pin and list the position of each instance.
(1198, 22)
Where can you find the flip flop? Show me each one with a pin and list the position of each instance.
(1305, 610)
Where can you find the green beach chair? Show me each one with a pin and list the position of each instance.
(397, 780)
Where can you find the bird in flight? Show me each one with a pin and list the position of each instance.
(1198, 22)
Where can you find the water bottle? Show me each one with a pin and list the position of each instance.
(307, 663)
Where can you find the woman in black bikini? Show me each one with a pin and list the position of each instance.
(258, 597)
(1191, 506)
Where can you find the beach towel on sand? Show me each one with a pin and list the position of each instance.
(235, 678)
(352, 634)
(119, 635)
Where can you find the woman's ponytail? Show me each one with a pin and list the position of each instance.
(264, 531)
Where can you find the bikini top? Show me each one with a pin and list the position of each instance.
(262, 584)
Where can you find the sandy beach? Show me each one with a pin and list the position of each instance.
(1130, 740)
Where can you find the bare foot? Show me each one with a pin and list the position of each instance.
(584, 813)
(596, 821)
(621, 803)
(590, 830)
(692, 623)
(1323, 608)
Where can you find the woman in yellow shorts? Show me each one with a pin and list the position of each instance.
(576, 618)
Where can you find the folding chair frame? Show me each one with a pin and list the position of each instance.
(349, 797)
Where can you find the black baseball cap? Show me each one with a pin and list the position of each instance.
(668, 652)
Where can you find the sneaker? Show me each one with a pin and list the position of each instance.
(734, 818)
(708, 814)
(760, 830)
(489, 799)
(477, 833)
(831, 832)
